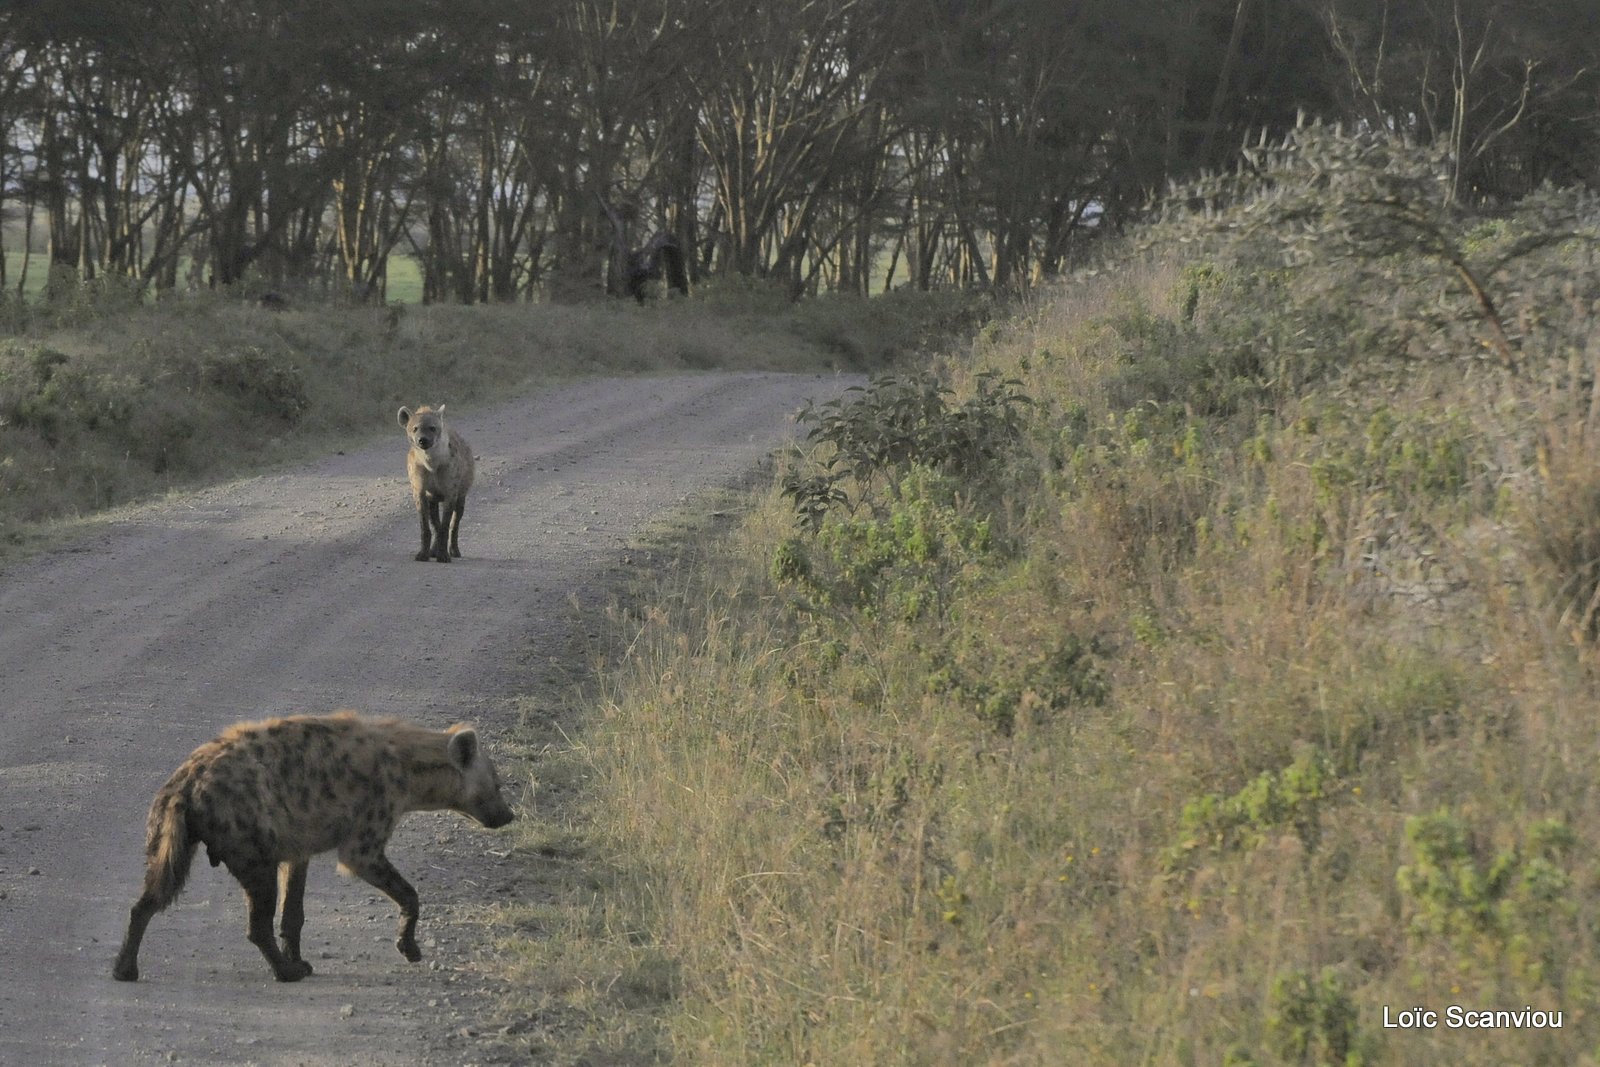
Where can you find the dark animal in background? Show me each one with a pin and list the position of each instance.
(441, 468)
(662, 257)
(264, 797)
(634, 268)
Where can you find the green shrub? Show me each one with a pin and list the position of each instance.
(1507, 908)
(1314, 1021)
(905, 565)
(1291, 798)
(264, 384)
(1069, 673)
(898, 422)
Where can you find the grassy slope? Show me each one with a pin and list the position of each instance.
(1254, 695)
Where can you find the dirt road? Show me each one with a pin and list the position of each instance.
(296, 592)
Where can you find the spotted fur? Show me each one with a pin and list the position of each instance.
(265, 797)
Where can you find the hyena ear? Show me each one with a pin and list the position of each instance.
(463, 748)
(405, 416)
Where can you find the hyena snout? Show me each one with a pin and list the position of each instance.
(496, 815)
(480, 796)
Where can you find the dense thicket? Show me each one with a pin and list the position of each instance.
(828, 144)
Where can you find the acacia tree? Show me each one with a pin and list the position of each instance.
(236, 128)
(1487, 80)
(87, 124)
(982, 142)
(18, 90)
(782, 102)
(1013, 113)
(615, 111)
(364, 127)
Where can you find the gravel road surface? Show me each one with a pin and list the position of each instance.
(296, 592)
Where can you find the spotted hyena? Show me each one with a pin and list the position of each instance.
(441, 468)
(264, 797)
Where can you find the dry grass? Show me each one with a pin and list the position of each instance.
(1262, 710)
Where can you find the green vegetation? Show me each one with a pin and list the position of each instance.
(1199, 664)
(105, 398)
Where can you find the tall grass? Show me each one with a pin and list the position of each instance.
(1250, 695)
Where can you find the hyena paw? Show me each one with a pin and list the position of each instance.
(423, 556)
(408, 948)
(296, 962)
(293, 971)
(125, 972)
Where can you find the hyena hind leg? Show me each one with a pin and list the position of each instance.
(126, 967)
(260, 883)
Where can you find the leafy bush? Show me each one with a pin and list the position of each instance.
(1506, 908)
(1314, 1020)
(905, 565)
(61, 398)
(1274, 800)
(902, 421)
(1383, 207)
(1068, 674)
(265, 384)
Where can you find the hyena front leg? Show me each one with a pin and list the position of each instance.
(456, 511)
(440, 511)
(260, 881)
(292, 891)
(428, 511)
(378, 872)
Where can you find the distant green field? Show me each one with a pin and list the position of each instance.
(405, 280)
(38, 267)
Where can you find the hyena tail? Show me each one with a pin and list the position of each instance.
(169, 850)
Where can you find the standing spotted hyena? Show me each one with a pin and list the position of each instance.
(441, 467)
(264, 797)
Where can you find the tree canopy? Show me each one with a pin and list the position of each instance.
(829, 144)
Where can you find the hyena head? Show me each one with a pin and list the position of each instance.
(479, 794)
(426, 430)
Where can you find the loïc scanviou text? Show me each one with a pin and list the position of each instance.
(1456, 1017)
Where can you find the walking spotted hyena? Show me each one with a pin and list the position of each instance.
(264, 797)
(441, 468)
